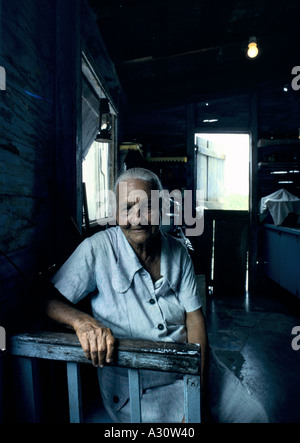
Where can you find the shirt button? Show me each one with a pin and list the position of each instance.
(161, 327)
(152, 301)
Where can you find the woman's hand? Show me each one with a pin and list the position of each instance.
(96, 340)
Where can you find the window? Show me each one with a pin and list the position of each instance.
(95, 175)
(98, 164)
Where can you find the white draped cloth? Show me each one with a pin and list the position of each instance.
(279, 204)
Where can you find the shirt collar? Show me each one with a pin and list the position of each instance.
(128, 263)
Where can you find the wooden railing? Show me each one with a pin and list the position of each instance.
(132, 354)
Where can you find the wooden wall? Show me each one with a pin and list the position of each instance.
(40, 139)
(26, 142)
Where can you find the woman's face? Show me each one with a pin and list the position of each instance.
(134, 211)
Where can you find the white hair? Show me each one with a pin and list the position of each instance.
(140, 174)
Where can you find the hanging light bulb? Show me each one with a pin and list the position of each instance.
(105, 126)
(252, 51)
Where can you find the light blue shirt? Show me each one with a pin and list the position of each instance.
(125, 299)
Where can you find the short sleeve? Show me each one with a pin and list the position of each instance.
(187, 292)
(76, 278)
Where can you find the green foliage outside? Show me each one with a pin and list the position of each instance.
(236, 202)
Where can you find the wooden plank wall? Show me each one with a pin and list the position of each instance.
(26, 139)
(40, 138)
(162, 131)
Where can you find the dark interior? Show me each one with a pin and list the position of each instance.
(169, 70)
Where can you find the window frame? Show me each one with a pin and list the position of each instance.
(93, 80)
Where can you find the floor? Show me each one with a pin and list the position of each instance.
(255, 372)
(251, 337)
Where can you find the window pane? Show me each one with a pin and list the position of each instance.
(95, 175)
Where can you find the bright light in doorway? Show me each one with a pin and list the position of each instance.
(225, 161)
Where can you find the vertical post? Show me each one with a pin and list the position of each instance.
(192, 405)
(74, 390)
(134, 393)
(252, 261)
(28, 409)
(190, 128)
(68, 132)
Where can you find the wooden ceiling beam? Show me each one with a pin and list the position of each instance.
(265, 40)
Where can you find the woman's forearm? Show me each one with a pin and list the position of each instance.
(196, 328)
(65, 314)
(97, 341)
(196, 333)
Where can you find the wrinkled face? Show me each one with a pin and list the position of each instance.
(134, 211)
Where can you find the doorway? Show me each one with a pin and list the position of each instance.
(222, 172)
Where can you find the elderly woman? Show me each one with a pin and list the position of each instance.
(143, 287)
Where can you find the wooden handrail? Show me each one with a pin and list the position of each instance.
(135, 354)
(131, 354)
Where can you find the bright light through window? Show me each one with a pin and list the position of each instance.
(95, 175)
